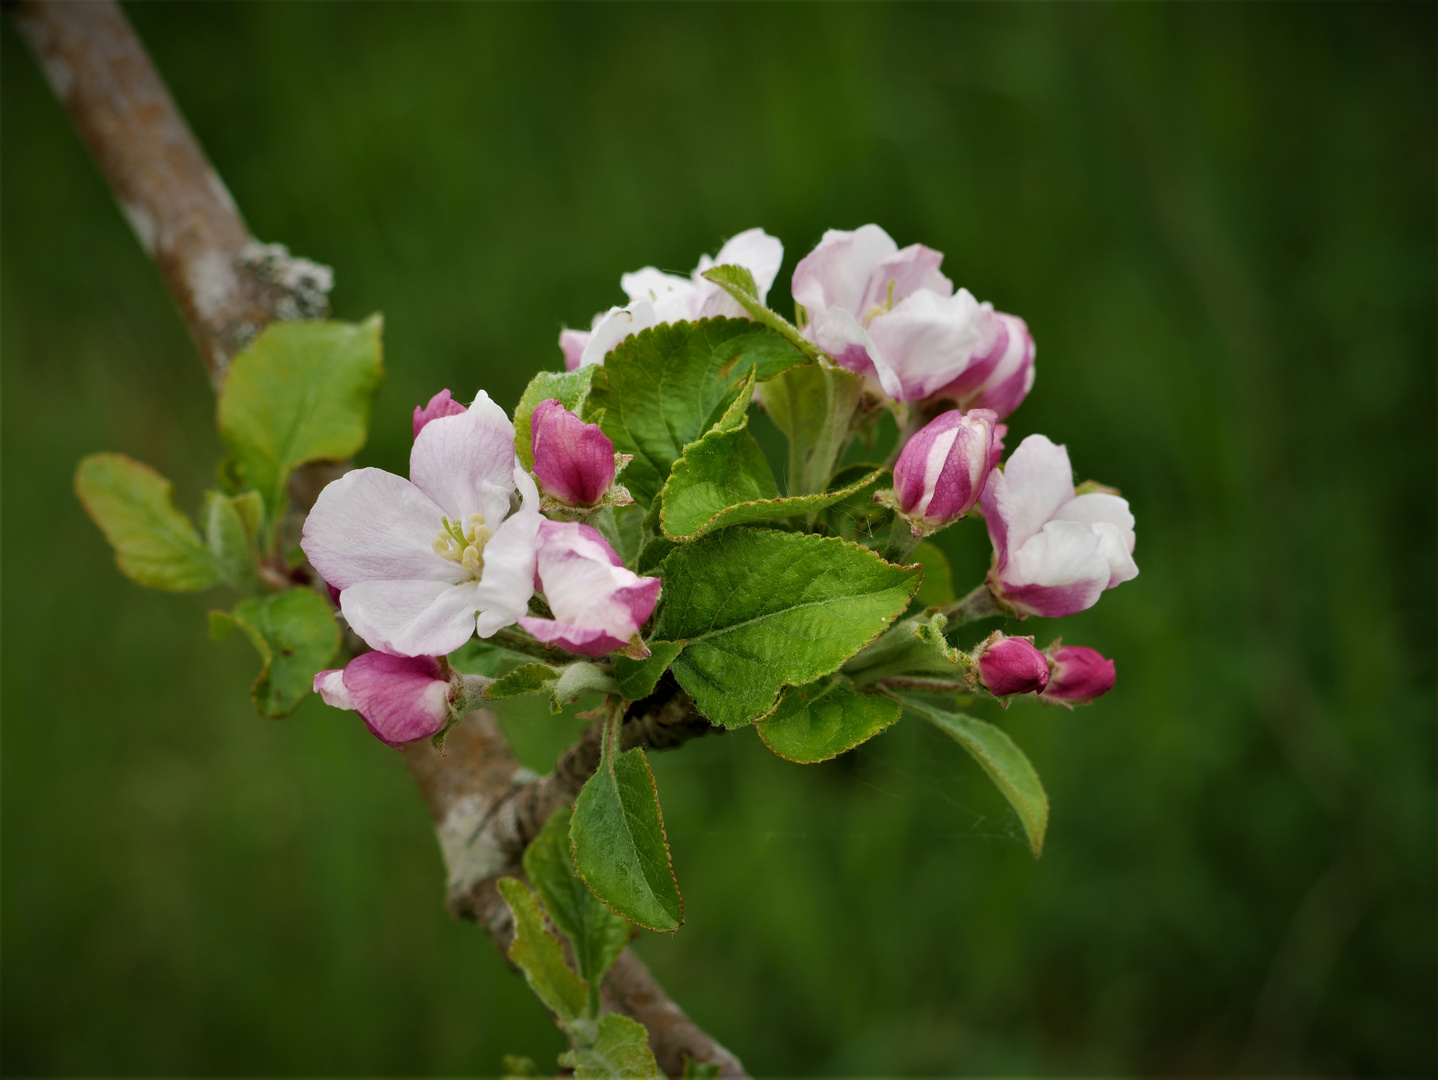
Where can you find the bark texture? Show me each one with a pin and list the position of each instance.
(228, 286)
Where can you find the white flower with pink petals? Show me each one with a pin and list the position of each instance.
(597, 604)
(1055, 551)
(424, 563)
(656, 298)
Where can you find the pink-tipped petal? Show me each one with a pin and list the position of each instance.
(572, 344)
(942, 469)
(400, 698)
(1013, 666)
(439, 405)
(330, 685)
(926, 340)
(837, 273)
(597, 604)
(466, 463)
(573, 460)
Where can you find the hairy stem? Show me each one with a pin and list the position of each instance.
(977, 605)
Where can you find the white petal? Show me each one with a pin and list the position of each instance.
(837, 272)
(1036, 481)
(372, 525)
(756, 251)
(1118, 550)
(618, 324)
(1062, 553)
(465, 463)
(1101, 507)
(330, 685)
(504, 589)
(927, 340)
(839, 334)
(654, 285)
(411, 618)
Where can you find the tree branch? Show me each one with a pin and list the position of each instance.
(228, 286)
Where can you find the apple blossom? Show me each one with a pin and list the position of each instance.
(1077, 675)
(1001, 372)
(597, 605)
(573, 460)
(656, 298)
(891, 315)
(943, 467)
(400, 698)
(1054, 551)
(439, 405)
(422, 564)
(1011, 665)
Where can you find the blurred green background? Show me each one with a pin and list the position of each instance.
(1219, 222)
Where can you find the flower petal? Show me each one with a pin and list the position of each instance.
(1034, 483)
(330, 685)
(370, 525)
(927, 340)
(618, 324)
(507, 583)
(572, 344)
(411, 618)
(914, 268)
(838, 333)
(466, 463)
(400, 698)
(837, 272)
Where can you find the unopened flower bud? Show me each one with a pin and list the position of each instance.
(941, 472)
(400, 698)
(573, 460)
(598, 605)
(439, 405)
(1078, 675)
(1011, 665)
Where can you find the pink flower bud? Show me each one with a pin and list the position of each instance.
(1012, 665)
(598, 605)
(1001, 372)
(400, 698)
(573, 460)
(439, 405)
(1078, 675)
(941, 472)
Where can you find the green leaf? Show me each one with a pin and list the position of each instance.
(739, 283)
(524, 680)
(618, 835)
(857, 516)
(155, 545)
(537, 953)
(301, 392)
(815, 406)
(295, 634)
(620, 1051)
(824, 719)
(915, 647)
(723, 479)
(763, 609)
(563, 684)
(638, 678)
(569, 388)
(597, 934)
(1004, 762)
(580, 678)
(660, 389)
(938, 586)
(231, 530)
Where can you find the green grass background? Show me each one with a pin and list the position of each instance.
(1219, 222)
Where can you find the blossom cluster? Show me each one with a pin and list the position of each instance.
(467, 544)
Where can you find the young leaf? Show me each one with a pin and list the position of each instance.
(1004, 762)
(537, 953)
(618, 835)
(597, 933)
(524, 680)
(295, 634)
(739, 283)
(764, 609)
(814, 406)
(659, 389)
(231, 529)
(938, 586)
(580, 678)
(155, 545)
(301, 392)
(913, 647)
(569, 388)
(638, 678)
(824, 719)
(620, 1051)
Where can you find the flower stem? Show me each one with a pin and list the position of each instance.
(977, 605)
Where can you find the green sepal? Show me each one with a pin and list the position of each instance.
(638, 678)
(155, 544)
(825, 719)
(596, 933)
(301, 392)
(914, 647)
(523, 681)
(662, 388)
(620, 1051)
(999, 757)
(617, 833)
(764, 609)
(538, 954)
(569, 388)
(295, 634)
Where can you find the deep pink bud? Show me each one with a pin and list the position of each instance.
(598, 605)
(573, 460)
(400, 698)
(1012, 665)
(941, 472)
(439, 405)
(1078, 675)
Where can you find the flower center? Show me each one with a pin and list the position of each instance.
(464, 545)
(875, 310)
